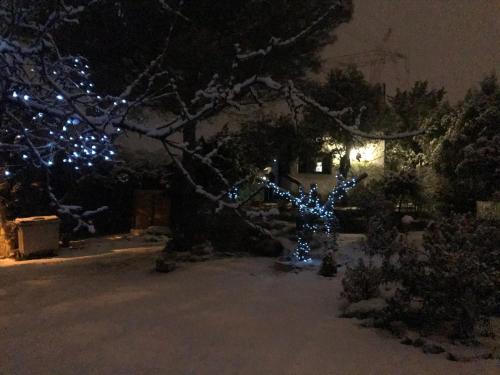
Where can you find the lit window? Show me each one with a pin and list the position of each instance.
(319, 167)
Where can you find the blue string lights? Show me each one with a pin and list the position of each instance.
(234, 193)
(313, 215)
(50, 118)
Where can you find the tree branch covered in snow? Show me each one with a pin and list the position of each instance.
(279, 42)
(51, 113)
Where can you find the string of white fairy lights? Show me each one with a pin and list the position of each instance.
(43, 125)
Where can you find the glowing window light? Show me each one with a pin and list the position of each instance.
(319, 167)
(365, 153)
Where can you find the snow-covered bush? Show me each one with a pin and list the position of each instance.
(449, 284)
(467, 153)
(380, 237)
(454, 279)
(361, 282)
(328, 265)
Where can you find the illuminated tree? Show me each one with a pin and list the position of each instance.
(50, 113)
(314, 215)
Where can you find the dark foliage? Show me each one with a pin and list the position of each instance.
(122, 37)
(361, 282)
(24, 197)
(366, 108)
(328, 265)
(468, 154)
(229, 233)
(451, 284)
(380, 237)
(454, 279)
(409, 110)
(193, 215)
(112, 187)
(402, 187)
(200, 40)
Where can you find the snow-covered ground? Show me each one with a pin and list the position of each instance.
(101, 309)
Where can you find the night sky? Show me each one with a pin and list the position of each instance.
(450, 43)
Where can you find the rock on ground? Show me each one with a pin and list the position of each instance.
(366, 308)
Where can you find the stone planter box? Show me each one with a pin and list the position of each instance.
(38, 235)
(488, 210)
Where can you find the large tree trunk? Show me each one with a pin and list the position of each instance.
(190, 211)
(345, 161)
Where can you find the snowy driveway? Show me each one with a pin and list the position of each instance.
(114, 315)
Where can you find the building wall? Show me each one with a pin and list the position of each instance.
(371, 161)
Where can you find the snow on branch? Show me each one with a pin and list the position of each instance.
(299, 96)
(276, 42)
(82, 219)
(170, 9)
(51, 112)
